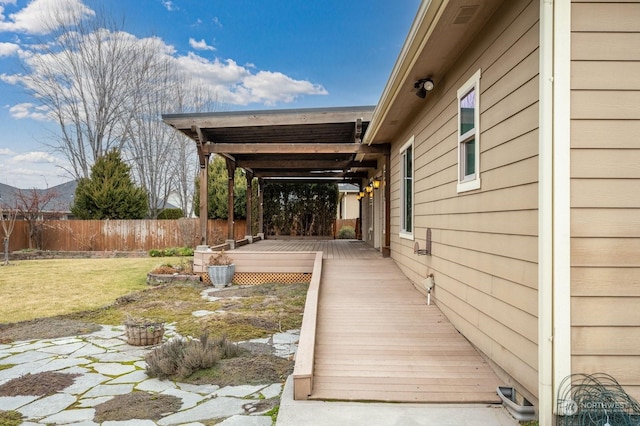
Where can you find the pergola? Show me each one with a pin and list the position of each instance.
(297, 145)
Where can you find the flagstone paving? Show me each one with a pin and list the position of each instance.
(108, 366)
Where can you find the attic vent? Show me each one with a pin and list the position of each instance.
(465, 14)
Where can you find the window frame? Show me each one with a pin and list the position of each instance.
(469, 182)
(404, 233)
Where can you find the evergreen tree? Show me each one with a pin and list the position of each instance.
(218, 191)
(109, 192)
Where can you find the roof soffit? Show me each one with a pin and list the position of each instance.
(441, 31)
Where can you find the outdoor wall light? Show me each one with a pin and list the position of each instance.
(361, 194)
(376, 183)
(423, 85)
(369, 189)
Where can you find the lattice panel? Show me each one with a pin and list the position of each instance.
(257, 278)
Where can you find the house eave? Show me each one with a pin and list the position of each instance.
(436, 39)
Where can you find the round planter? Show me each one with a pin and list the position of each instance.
(144, 334)
(221, 275)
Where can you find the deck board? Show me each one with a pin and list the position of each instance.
(376, 338)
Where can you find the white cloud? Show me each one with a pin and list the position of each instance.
(200, 45)
(35, 169)
(237, 85)
(29, 110)
(36, 157)
(169, 5)
(216, 22)
(273, 87)
(8, 49)
(36, 17)
(6, 151)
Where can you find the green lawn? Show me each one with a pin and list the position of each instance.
(43, 288)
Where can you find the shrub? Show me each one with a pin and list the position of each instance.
(170, 252)
(180, 358)
(347, 233)
(171, 214)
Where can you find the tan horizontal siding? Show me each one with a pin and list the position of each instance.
(605, 252)
(605, 201)
(513, 127)
(498, 346)
(506, 222)
(610, 311)
(610, 105)
(604, 133)
(605, 163)
(523, 197)
(605, 193)
(517, 295)
(603, 222)
(605, 282)
(605, 46)
(624, 368)
(596, 17)
(606, 340)
(609, 75)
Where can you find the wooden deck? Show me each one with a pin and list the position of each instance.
(331, 249)
(377, 340)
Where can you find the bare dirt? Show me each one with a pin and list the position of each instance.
(136, 405)
(45, 328)
(40, 384)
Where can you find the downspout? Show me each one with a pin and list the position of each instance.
(545, 217)
(554, 255)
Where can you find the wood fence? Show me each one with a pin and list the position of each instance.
(122, 235)
(128, 235)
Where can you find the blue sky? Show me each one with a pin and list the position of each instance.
(259, 54)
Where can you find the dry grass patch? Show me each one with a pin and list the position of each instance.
(45, 288)
(255, 311)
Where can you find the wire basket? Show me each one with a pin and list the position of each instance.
(147, 334)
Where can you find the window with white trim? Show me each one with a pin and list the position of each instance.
(469, 134)
(406, 190)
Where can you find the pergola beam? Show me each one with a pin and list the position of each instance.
(270, 117)
(310, 174)
(304, 164)
(291, 148)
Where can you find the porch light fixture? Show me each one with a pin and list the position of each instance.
(369, 189)
(423, 85)
(361, 194)
(376, 183)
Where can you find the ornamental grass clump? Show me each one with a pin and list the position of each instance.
(180, 358)
(220, 259)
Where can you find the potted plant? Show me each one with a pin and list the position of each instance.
(221, 269)
(143, 331)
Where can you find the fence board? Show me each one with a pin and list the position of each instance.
(129, 235)
(122, 235)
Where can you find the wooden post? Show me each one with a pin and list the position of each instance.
(260, 208)
(386, 249)
(249, 176)
(204, 202)
(231, 171)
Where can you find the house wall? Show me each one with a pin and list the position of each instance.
(484, 242)
(349, 207)
(605, 190)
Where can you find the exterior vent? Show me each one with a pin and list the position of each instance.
(465, 14)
